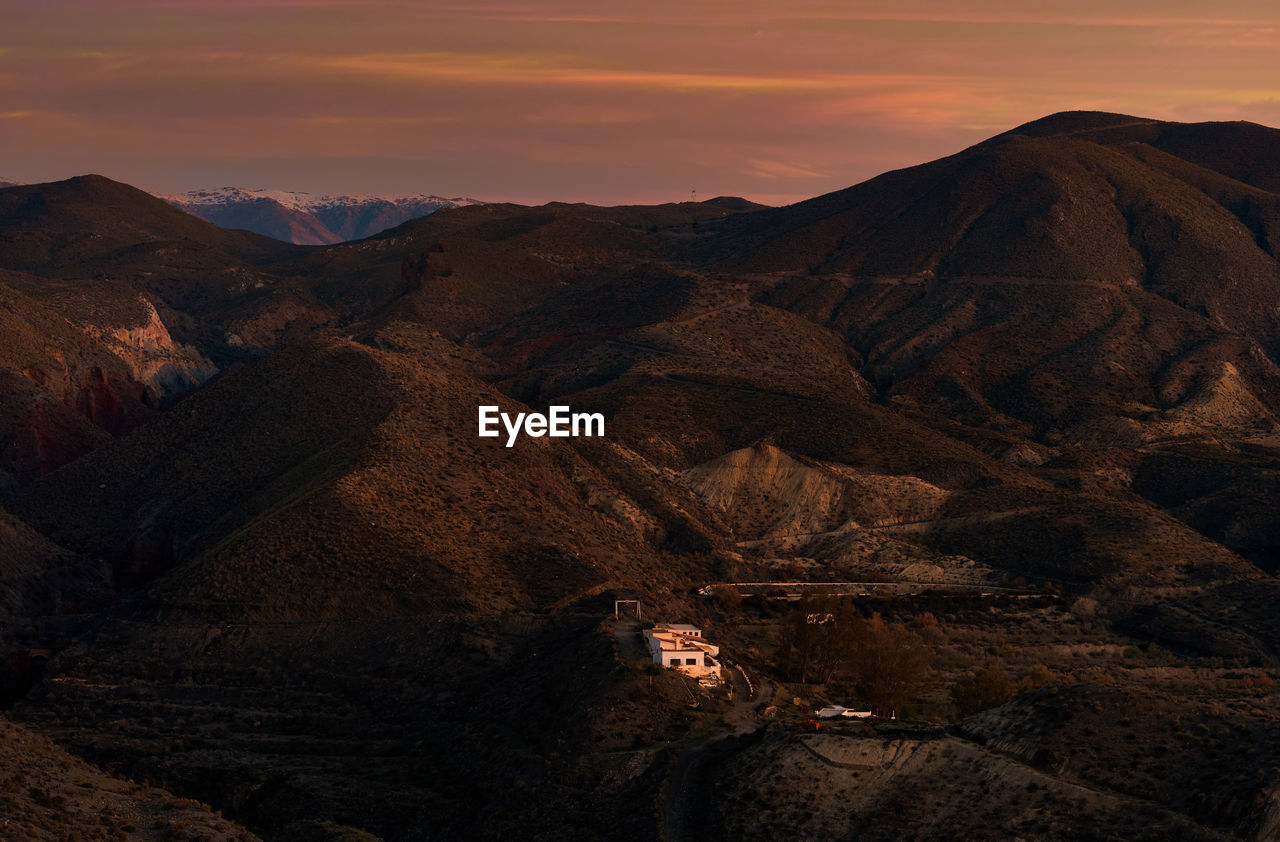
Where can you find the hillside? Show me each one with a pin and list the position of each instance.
(1246, 152)
(212, 288)
(989, 446)
(66, 224)
(1059, 208)
(352, 508)
(334, 458)
(50, 795)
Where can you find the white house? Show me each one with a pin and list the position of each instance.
(682, 647)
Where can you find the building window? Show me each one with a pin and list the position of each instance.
(693, 662)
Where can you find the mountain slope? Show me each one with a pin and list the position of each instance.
(65, 224)
(1054, 209)
(215, 289)
(1019, 405)
(1042, 283)
(1245, 152)
(52, 795)
(66, 390)
(346, 441)
(259, 214)
(331, 502)
(307, 219)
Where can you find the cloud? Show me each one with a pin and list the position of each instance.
(536, 70)
(777, 169)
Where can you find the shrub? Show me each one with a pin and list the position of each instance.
(986, 688)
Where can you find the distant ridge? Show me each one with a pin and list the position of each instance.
(309, 219)
(1245, 151)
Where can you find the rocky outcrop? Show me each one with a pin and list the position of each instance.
(763, 491)
(78, 366)
(164, 366)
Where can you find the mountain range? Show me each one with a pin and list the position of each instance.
(305, 218)
(1017, 410)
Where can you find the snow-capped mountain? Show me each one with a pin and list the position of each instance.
(308, 218)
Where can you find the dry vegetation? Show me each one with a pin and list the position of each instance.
(47, 795)
(1029, 389)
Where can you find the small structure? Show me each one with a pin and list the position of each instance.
(832, 711)
(681, 646)
(618, 603)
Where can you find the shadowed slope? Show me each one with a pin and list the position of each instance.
(339, 463)
(1054, 208)
(48, 795)
(66, 224)
(335, 548)
(1246, 152)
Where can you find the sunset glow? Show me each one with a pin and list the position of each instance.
(596, 101)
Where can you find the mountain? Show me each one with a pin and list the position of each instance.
(51, 791)
(1246, 152)
(214, 289)
(1083, 263)
(4, 182)
(240, 209)
(66, 224)
(1058, 207)
(307, 219)
(989, 446)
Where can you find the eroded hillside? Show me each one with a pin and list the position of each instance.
(1006, 421)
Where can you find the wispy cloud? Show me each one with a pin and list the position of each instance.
(536, 70)
(777, 169)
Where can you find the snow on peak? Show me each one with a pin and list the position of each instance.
(308, 202)
(283, 214)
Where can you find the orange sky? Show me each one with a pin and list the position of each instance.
(592, 100)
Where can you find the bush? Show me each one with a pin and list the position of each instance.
(727, 597)
(986, 688)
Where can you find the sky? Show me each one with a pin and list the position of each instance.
(591, 100)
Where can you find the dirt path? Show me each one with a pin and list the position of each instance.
(742, 714)
(910, 526)
(739, 304)
(688, 791)
(689, 788)
(629, 643)
(779, 590)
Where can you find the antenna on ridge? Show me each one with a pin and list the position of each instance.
(693, 195)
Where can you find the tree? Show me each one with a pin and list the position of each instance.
(825, 638)
(887, 663)
(986, 688)
(816, 640)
